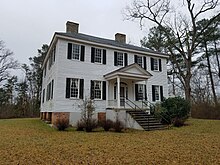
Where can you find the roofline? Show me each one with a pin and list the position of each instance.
(114, 47)
(56, 36)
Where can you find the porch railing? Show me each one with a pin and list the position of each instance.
(127, 103)
(130, 103)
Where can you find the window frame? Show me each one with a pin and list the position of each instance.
(142, 88)
(78, 88)
(74, 53)
(98, 55)
(138, 58)
(119, 59)
(96, 90)
(157, 89)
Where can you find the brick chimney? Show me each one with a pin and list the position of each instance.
(72, 27)
(120, 38)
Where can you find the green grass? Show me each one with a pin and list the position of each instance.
(30, 141)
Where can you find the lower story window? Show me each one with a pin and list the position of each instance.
(97, 90)
(74, 88)
(157, 93)
(140, 91)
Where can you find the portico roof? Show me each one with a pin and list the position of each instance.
(132, 71)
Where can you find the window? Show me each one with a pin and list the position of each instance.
(140, 92)
(74, 88)
(156, 64)
(43, 95)
(98, 55)
(139, 60)
(49, 95)
(157, 93)
(76, 52)
(98, 90)
(45, 70)
(120, 59)
(51, 59)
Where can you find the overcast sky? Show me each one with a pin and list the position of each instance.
(28, 24)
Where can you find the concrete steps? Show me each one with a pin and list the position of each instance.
(146, 121)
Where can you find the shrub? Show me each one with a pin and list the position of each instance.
(87, 112)
(62, 124)
(107, 124)
(90, 124)
(173, 111)
(177, 122)
(80, 126)
(118, 126)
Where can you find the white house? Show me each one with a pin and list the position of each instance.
(115, 75)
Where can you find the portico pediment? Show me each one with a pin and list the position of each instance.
(133, 71)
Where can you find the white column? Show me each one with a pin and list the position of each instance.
(107, 89)
(118, 86)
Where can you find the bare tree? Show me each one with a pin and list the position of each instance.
(182, 26)
(7, 62)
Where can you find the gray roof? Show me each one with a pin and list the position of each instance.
(86, 37)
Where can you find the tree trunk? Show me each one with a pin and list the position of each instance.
(210, 74)
(216, 54)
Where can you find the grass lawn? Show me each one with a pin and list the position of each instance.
(30, 141)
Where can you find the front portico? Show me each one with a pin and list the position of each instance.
(126, 85)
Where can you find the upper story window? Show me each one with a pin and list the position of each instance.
(120, 59)
(49, 94)
(76, 52)
(98, 55)
(156, 64)
(51, 59)
(141, 61)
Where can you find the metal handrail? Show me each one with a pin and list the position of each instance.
(146, 103)
(135, 106)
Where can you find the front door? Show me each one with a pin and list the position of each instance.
(122, 96)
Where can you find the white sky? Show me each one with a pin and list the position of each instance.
(27, 24)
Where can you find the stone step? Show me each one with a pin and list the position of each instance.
(146, 121)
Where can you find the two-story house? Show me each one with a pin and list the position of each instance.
(115, 75)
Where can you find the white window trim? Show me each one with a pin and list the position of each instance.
(101, 90)
(156, 59)
(78, 88)
(101, 56)
(79, 52)
(122, 58)
(142, 60)
(158, 93)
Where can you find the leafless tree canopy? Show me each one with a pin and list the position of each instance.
(180, 17)
(6, 62)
